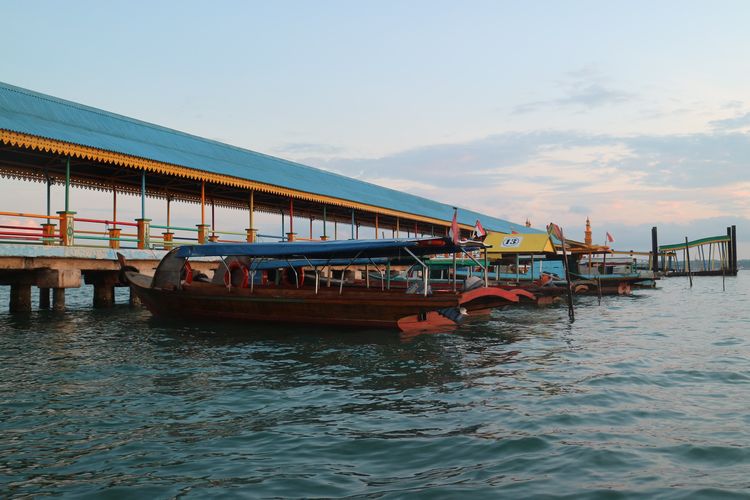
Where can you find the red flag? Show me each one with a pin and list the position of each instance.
(454, 227)
(555, 230)
(610, 238)
(479, 232)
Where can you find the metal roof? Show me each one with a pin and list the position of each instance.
(32, 113)
(335, 249)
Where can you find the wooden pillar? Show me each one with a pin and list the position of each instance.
(251, 235)
(44, 302)
(398, 228)
(58, 299)
(20, 298)
(377, 229)
(168, 239)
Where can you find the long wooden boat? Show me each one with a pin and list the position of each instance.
(270, 282)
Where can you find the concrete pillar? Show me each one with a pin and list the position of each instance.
(20, 298)
(58, 299)
(134, 300)
(44, 298)
(104, 294)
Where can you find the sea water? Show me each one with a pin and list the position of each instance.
(642, 396)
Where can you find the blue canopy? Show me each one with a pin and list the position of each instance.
(329, 249)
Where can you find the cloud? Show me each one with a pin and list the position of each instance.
(307, 148)
(738, 122)
(583, 89)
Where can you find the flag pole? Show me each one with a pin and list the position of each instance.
(604, 270)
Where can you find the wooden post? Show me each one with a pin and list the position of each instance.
(114, 235)
(48, 234)
(144, 233)
(67, 228)
(654, 250)
(376, 226)
(202, 233)
(168, 239)
(734, 250)
(687, 260)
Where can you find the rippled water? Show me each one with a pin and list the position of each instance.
(642, 396)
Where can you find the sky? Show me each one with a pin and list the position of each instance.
(635, 114)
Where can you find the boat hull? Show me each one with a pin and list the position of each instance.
(368, 308)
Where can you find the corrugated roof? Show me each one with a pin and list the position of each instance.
(28, 112)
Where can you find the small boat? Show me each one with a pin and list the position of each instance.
(314, 283)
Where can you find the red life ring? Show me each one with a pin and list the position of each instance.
(188, 273)
(245, 274)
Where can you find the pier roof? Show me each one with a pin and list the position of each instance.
(33, 120)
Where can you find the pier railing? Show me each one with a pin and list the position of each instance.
(68, 229)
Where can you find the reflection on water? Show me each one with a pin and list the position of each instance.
(645, 395)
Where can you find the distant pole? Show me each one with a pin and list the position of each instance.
(729, 250)
(353, 224)
(604, 271)
(283, 231)
(169, 202)
(687, 260)
(654, 250)
(734, 249)
(377, 229)
(723, 271)
(114, 207)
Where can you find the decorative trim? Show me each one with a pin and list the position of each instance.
(22, 140)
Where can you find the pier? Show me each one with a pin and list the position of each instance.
(51, 141)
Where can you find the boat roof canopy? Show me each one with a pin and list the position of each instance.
(518, 244)
(330, 249)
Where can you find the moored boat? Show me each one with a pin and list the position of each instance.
(313, 283)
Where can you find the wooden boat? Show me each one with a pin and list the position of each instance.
(271, 282)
